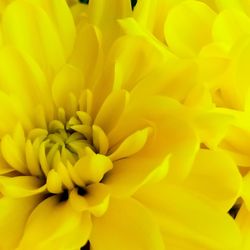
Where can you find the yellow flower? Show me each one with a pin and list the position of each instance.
(96, 151)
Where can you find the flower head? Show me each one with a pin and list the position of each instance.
(97, 148)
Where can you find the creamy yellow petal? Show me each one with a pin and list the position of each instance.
(188, 27)
(185, 219)
(130, 225)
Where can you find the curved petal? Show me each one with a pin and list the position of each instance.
(38, 36)
(128, 175)
(131, 145)
(60, 15)
(28, 84)
(188, 27)
(52, 221)
(13, 216)
(87, 54)
(111, 110)
(95, 200)
(69, 81)
(229, 26)
(215, 176)
(188, 221)
(21, 186)
(134, 230)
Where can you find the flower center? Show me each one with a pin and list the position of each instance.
(65, 155)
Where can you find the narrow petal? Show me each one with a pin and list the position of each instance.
(134, 230)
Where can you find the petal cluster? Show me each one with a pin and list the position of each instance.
(124, 128)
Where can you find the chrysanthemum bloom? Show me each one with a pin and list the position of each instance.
(93, 152)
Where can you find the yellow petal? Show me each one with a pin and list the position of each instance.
(28, 27)
(136, 224)
(13, 154)
(60, 15)
(111, 110)
(229, 26)
(246, 190)
(53, 220)
(188, 27)
(126, 55)
(104, 13)
(28, 83)
(87, 53)
(13, 220)
(100, 140)
(95, 200)
(54, 182)
(130, 174)
(212, 125)
(205, 178)
(185, 219)
(21, 186)
(91, 168)
(243, 220)
(131, 145)
(68, 81)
